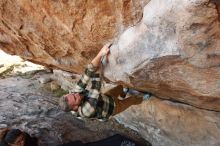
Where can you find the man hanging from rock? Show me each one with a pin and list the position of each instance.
(93, 104)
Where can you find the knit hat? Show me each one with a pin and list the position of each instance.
(63, 104)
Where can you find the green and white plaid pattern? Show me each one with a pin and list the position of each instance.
(95, 105)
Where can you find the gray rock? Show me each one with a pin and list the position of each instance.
(44, 79)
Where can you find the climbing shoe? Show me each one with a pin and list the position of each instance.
(131, 92)
(122, 97)
(147, 96)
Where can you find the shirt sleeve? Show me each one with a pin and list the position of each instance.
(85, 78)
(88, 108)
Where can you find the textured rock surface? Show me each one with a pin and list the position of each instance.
(176, 43)
(173, 52)
(65, 34)
(171, 124)
(27, 105)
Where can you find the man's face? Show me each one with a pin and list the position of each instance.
(74, 100)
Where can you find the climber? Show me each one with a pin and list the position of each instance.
(93, 104)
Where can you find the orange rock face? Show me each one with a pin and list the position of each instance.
(64, 34)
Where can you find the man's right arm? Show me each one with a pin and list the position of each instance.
(91, 69)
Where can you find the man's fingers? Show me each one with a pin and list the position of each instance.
(108, 51)
(108, 45)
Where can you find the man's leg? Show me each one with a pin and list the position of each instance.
(116, 91)
(122, 105)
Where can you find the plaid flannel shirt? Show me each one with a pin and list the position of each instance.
(95, 104)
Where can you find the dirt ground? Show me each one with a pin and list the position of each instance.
(31, 106)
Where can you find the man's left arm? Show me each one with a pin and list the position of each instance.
(88, 108)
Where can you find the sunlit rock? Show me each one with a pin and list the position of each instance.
(172, 50)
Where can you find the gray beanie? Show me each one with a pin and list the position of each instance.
(63, 103)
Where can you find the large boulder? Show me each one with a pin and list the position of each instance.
(65, 34)
(172, 51)
(164, 123)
